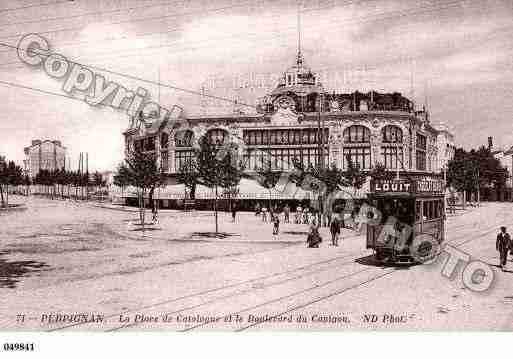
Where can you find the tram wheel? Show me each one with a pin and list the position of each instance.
(379, 256)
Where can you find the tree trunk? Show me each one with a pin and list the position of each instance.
(215, 211)
(150, 199)
(2, 195)
(142, 209)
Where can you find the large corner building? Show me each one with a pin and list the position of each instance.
(369, 128)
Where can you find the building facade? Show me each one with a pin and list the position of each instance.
(368, 128)
(446, 147)
(44, 155)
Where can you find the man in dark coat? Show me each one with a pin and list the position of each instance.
(503, 245)
(335, 230)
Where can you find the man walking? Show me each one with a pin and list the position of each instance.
(286, 213)
(276, 224)
(335, 230)
(234, 212)
(503, 245)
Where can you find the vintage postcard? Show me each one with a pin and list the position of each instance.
(273, 165)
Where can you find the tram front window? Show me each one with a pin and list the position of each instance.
(400, 208)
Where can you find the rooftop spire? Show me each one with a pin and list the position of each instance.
(299, 55)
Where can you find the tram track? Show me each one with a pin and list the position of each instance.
(252, 290)
(331, 294)
(232, 286)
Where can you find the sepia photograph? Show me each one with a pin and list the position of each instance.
(255, 166)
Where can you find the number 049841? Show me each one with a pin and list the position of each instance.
(29, 347)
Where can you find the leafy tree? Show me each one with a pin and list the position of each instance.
(353, 175)
(474, 170)
(321, 180)
(380, 172)
(10, 174)
(145, 175)
(218, 166)
(122, 177)
(27, 182)
(268, 179)
(188, 175)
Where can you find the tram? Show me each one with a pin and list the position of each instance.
(406, 219)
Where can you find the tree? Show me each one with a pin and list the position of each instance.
(145, 175)
(218, 166)
(27, 182)
(324, 181)
(10, 174)
(472, 170)
(268, 179)
(189, 176)
(354, 176)
(380, 172)
(122, 177)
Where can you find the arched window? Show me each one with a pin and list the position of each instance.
(358, 150)
(392, 134)
(184, 138)
(357, 134)
(217, 136)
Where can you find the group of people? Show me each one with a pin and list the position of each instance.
(314, 238)
(301, 216)
(272, 215)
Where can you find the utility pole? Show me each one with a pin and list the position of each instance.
(445, 189)
(320, 147)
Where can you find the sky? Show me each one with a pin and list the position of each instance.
(452, 56)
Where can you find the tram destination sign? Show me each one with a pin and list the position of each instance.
(405, 186)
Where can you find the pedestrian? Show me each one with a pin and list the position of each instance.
(314, 238)
(155, 217)
(276, 223)
(299, 214)
(286, 214)
(264, 214)
(335, 230)
(234, 212)
(257, 209)
(306, 215)
(503, 245)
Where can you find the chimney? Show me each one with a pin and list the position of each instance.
(490, 143)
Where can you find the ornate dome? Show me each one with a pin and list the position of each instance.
(299, 80)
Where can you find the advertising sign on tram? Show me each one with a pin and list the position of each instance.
(406, 186)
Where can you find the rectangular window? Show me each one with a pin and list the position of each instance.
(164, 161)
(312, 137)
(420, 157)
(392, 157)
(272, 137)
(264, 140)
(358, 155)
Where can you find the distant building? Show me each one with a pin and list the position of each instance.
(108, 177)
(446, 147)
(505, 158)
(44, 155)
